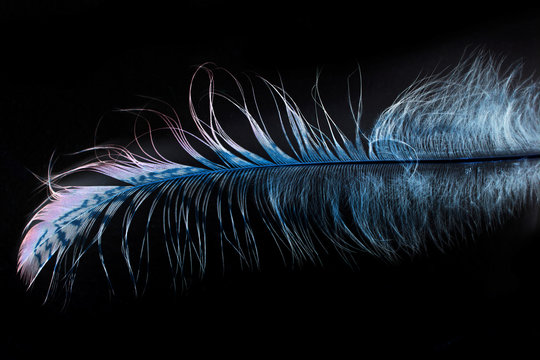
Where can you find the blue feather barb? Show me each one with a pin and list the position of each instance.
(453, 155)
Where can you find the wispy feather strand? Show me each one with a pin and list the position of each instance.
(453, 155)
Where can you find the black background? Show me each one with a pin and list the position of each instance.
(69, 64)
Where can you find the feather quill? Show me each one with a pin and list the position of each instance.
(452, 155)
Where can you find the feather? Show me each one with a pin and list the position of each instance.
(453, 155)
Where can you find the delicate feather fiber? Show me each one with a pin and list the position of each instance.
(453, 155)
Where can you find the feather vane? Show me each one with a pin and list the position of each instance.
(452, 155)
